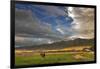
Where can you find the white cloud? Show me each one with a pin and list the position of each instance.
(70, 9)
(50, 42)
(60, 30)
(75, 25)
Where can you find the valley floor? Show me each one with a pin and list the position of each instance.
(34, 58)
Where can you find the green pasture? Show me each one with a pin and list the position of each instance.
(67, 57)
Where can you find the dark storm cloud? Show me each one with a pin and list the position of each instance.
(26, 22)
(29, 30)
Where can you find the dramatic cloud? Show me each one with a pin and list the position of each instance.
(83, 22)
(26, 22)
(39, 24)
(27, 41)
(28, 29)
(52, 10)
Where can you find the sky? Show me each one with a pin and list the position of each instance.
(45, 24)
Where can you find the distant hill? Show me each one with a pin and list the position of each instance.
(62, 44)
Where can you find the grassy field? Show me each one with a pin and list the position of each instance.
(50, 58)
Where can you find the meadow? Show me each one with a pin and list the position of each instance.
(31, 58)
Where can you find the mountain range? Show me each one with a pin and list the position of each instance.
(61, 44)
